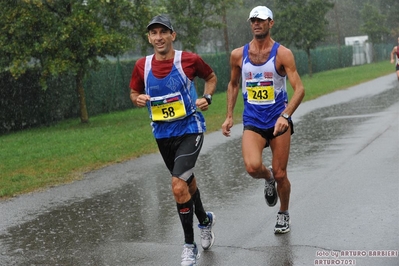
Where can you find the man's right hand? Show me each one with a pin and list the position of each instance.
(142, 99)
(226, 126)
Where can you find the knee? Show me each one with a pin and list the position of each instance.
(179, 189)
(254, 169)
(280, 175)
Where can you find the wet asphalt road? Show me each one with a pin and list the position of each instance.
(344, 169)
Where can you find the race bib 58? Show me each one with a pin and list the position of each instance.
(167, 107)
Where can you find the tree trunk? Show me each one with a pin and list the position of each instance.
(338, 35)
(310, 70)
(225, 33)
(374, 54)
(84, 116)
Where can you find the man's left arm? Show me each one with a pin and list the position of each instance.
(288, 62)
(204, 71)
(209, 89)
(210, 84)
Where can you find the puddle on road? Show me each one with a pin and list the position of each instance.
(324, 132)
(145, 210)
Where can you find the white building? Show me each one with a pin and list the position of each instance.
(362, 50)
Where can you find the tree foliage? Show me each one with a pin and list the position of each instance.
(301, 23)
(143, 13)
(390, 9)
(224, 6)
(373, 24)
(64, 36)
(191, 17)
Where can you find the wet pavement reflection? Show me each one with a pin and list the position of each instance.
(322, 133)
(144, 210)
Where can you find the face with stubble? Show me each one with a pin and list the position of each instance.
(261, 28)
(161, 39)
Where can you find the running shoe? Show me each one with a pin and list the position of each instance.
(189, 255)
(283, 223)
(207, 235)
(270, 191)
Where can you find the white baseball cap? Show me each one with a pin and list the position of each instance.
(261, 12)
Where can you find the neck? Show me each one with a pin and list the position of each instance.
(165, 56)
(261, 37)
(260, 43)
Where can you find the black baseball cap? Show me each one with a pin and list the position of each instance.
(161, 19)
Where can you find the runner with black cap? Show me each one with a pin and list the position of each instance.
(164, 83)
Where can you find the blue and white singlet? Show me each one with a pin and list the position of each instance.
(264, 91)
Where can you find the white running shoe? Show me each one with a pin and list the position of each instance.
(207, 235)
(189, 255)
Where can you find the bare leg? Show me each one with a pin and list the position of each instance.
(252, 147)
(280, 147)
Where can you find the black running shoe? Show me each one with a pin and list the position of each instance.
(270, 191)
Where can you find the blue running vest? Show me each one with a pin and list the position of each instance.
(172, 107)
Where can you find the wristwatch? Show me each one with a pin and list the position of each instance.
(208, 98)
(286, 116)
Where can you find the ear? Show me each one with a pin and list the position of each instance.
(174, 36)
(271, 23)
(148, 37)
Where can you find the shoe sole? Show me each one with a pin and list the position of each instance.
(283, 231)
(280, 231)
(213, 241)
(213, 234)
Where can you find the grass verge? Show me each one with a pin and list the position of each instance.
(36, 159)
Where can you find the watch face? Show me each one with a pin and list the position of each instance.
(286, 116)
(208, 98)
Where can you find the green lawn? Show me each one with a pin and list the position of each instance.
(39, 158)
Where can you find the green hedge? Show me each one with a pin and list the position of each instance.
(107, 89)
(323, 59)
(24, 104)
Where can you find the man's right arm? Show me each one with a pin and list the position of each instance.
(133, 96)
(232, 88)
(139, 99)
(136, 85)
(393, 54)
